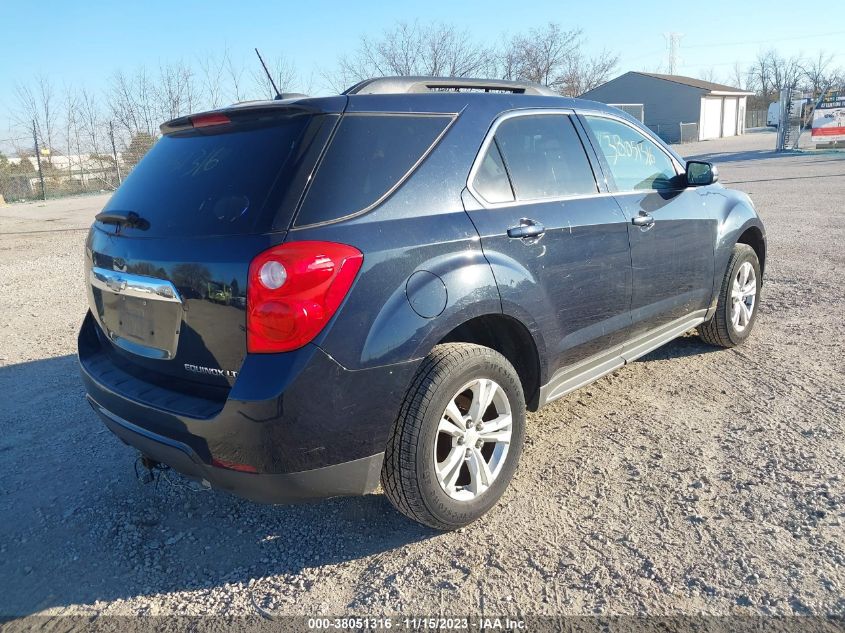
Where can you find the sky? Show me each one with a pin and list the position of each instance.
(83, 43)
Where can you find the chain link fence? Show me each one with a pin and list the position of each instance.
(57, 175)
(676, 132)
(755, 118)
(36, 172)
(688, 132)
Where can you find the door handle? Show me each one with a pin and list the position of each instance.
(526, 228)
(643, 219)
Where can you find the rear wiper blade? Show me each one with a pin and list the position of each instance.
(129, 219)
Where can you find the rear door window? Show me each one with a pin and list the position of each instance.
(491, 180)
(544, 157)
(369, 156)
(221, 180)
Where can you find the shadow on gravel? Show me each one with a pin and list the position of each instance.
(78, 527)
(818, 155)
(739, 182)
(689, 345)
(736, 157)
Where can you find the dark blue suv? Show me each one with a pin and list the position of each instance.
(304, 297)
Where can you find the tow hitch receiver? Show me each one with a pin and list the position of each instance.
(150, 469)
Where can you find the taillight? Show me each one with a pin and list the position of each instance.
(293, 290)
(206, 120)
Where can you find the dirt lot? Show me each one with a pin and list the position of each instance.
(695, 480)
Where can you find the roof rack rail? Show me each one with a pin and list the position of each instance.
(394, 85)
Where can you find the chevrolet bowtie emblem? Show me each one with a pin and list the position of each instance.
(116, 284)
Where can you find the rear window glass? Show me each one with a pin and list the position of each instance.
(214, 182)
(368, 157)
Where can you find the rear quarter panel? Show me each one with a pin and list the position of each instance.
(422, 226)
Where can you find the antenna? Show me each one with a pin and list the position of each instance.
(269, 76)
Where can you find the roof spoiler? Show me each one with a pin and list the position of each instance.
(246, 110)
(405, 85)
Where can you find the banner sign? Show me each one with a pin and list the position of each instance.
(829, 118)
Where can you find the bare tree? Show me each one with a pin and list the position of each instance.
(760, 74)
(213, 69)
(448, 52)
(93, 128)
(37, 104)
(661, 68)
(581, 73)
(72, 131)
(131, 101)
(554, 57)
(541, 55)
(786, 72)
(708, 74)
(820, 74)
(309, 84)
(175, 91)
(283, 72)
(773, 73)
(235, 73)
(91, 118)
(433, 49)
(738, 77)
(340, 77)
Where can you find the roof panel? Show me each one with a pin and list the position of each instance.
(694, 83)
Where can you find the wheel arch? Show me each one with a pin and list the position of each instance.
(738, 223)
(753, 236)
(513, 340)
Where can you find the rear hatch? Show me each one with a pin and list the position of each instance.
(167, 284)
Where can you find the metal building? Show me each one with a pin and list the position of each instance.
(678, 108)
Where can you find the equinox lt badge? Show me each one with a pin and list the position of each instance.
(211, 371)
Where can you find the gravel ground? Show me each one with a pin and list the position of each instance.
(695, 480)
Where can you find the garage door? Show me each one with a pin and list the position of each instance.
(711, 117)
(729, 118)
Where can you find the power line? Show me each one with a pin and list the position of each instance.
(767, 41)
(651, 54)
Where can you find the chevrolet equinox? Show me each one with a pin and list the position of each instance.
(307, 297)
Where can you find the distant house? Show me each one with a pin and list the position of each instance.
(74, 164)
(707, 110)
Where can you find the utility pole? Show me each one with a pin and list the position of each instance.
(114, 152)
(38, 160)
(673, 45)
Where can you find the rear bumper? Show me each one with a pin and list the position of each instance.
(356, 477)
(304, 424)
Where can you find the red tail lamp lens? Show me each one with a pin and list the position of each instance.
(294, 290)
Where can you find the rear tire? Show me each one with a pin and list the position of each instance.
(451, 456)
(739, 300)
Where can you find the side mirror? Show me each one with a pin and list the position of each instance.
(701, 173)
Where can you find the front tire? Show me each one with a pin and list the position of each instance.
(739, 300)
(458, 437)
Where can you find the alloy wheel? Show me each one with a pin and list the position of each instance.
(743, 296)
(473, 439)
